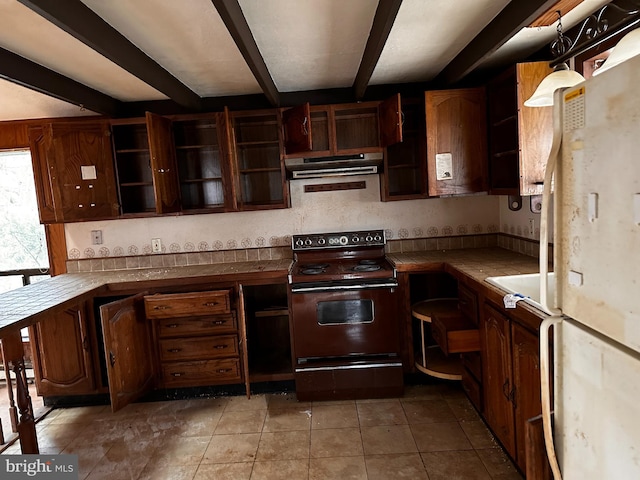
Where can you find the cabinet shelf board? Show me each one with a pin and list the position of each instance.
(259, 170)
(257, 143)
(440, 366)
(201, 180)
(136, 184)
(506, 153)
(280, 312)
(400, 166)
(209, 146)
(132, 150)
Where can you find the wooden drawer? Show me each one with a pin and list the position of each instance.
(455, 333)
(198, 348)
(187, 304)
(472, 388)
(468, 303)
(472, 361)
(180, 327)
(207, 372)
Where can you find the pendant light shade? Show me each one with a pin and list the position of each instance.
(627, 47)
(561, 77)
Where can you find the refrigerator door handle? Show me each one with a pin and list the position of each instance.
(545, 392)
(552, 161)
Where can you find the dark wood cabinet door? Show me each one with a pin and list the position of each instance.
(80, 178)
(47, 196)
(390, 113)
(296, 129)
(456, 141)
(498, 380)
(526, 379)
(166, 184)
(127, 344)
(228, 165)
(62, 358)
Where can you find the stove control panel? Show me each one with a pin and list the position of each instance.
(318, 241)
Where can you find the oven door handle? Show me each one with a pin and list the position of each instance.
(349, 287)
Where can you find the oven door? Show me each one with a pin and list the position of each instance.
(333, 323)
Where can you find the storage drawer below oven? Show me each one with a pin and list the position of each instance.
(378, 379)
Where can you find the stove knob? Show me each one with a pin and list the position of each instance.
(355, 239)
(343, 240)
(369, 238)
(377, 238)
(299, 243)
(308, 242)
(321, 241)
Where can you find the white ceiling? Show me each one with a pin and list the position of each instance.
(306, 45)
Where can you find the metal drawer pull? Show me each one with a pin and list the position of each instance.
(174, 350)
(220, 347)
(219, 322)
(172, 325)
(211, 304)
(161, 307)
(224, 370)
(177, 374)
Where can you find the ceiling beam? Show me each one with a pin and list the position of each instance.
(382, 23)
(236, 23)
(75, 18)
(26, 73)
(515, 16)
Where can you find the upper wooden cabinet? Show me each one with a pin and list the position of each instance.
(73, 171)
(519, 137)
(405, 167)
(260, 181)
(342, 129)
(456, 141)
(163, 164)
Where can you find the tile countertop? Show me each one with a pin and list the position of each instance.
(20, 307)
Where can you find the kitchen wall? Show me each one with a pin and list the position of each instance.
(310, 212)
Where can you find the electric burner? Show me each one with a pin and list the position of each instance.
(366, 267)
(312, 271)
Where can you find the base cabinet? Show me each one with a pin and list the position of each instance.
(511, 380)
(62, 353)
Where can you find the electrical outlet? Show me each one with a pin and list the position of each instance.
(156, 245)
(96, 237)
(532, 226)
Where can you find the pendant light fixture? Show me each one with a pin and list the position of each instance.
(627, 47)
(561, 77)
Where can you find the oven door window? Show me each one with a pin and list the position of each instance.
(345, 312)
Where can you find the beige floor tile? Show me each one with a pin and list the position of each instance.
(384, 467)
(168, 472)
(88, 457)
(387, 439)
(428, 411)
(463, 410)
(336, 442)
(496, 461)
(77, 415)
(337, 468)
(422, 392)
(286, 400)
(224, 471)
(238, 447)
(283, 446)
(342, 415)
(281, 470)
(287, 419)
(124, 460)
(435, 437)
(454, 465)
(242, 403)
(181, 451)
(248, 421)
(381, 413)
(54, 437)
(478, 434)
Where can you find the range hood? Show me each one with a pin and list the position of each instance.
(335, 166)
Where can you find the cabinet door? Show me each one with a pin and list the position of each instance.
(497, 382)
(80, 171)
(456, 141)
(127, 344)
(526, 379)
(47, 196)
(390, 113)
(296, 129)
(227, 155)
(62, 358)
(166, 185)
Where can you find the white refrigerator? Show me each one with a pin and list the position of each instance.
(596, 324)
